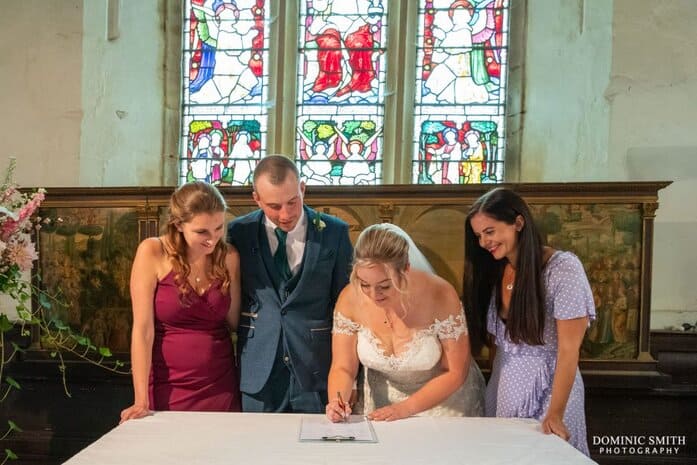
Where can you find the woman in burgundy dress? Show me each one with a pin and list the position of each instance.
(185, 288)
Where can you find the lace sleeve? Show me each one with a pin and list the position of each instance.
(344, 325)
(452, 327)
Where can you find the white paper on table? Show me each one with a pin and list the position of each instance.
(319, 428)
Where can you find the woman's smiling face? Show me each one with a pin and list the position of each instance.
(203, 232)
(497, 237)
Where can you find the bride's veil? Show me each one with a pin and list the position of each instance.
(417, 259)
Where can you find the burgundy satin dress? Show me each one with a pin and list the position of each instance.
(193, 368)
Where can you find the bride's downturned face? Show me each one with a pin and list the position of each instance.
(376, 283)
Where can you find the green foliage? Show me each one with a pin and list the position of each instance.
(104, 352)
(18, 224)
(11, 381)
(5, 324)
(16, 347)
(13, 426)
(54, 333)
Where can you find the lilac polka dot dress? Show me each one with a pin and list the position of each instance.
(522, 375)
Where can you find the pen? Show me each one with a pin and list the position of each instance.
(342, 405)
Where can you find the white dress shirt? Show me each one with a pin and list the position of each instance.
(295, 241)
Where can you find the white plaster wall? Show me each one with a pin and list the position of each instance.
(567, 68)
(653, 91)
(614, 97)
(122, 96)
(40, 85)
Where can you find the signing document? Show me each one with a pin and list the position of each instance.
(319, 428)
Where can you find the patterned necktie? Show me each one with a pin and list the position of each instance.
(280, 258)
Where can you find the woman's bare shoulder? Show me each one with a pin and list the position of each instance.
(437, 296)
(232, 250)
(348, 301)
(232, 257)
(151, 255)
(151, 247)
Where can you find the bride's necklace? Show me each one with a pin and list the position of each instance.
(388, 320)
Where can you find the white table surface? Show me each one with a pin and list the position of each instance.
(172, 438)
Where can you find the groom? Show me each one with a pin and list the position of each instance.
(294, 263)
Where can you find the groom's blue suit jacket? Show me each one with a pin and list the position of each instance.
(300, 317)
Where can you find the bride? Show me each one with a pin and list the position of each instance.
(407, 327)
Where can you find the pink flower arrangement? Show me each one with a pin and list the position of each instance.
(17, 221)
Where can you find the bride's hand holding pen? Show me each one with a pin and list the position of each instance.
(337, 410)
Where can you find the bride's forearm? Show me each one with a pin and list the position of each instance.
(436, 391)
(340, 380)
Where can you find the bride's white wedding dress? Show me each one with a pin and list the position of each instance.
(391, 378)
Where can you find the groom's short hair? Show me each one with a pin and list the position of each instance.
(277, 168)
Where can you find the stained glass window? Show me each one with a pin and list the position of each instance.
(332, 84)
(460, 92)
(341, 90)
(225, 95)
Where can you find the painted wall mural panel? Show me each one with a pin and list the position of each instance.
(87, 250)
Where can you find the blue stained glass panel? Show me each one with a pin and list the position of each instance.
(225, 95)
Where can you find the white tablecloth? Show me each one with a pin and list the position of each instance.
(172, 438)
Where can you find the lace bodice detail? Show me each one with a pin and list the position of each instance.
(420, 353)
(344, 325)
(450, 328)
(390, 378)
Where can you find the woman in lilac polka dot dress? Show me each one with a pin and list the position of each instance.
(536, 304)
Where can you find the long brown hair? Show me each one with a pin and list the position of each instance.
(187, 201)
(526, 314)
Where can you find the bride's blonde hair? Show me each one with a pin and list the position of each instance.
(379, 244)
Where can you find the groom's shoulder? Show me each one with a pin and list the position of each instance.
(316, 218)
(247, 219)
(334, 220)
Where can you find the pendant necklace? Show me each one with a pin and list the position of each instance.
(197, 286)
(198, 279)
(387, 320)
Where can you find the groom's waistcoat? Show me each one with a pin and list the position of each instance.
(298, 313)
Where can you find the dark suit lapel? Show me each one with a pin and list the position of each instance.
(261, 252)
(313, 245)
